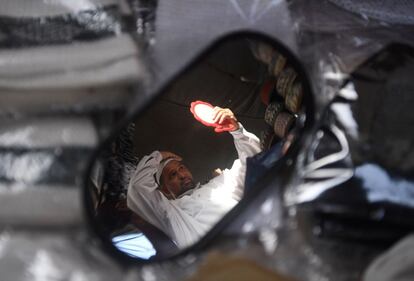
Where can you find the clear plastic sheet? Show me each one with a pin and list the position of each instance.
(67, 70)
(53, 255)
(85, 66)
(397, 12)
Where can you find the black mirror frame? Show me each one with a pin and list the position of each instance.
(262, 185)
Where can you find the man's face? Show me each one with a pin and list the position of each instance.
(176, 179)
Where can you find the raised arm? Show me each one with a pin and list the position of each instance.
(246, 143)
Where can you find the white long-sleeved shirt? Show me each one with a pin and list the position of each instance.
(193, 213)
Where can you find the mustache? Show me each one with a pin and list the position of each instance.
(188, 183)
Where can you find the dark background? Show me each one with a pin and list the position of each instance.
(229, 76)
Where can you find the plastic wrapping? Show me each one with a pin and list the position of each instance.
(85, 25)
(53, 255)
(67, 70)
(61, 61)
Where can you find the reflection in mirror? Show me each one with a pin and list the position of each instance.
(172, 173)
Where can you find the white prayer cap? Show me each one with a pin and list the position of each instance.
(161, 167)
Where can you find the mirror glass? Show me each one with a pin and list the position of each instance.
(169, 177)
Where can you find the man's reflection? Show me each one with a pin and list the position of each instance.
(163, 192)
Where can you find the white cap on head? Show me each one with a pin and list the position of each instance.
(161, 167)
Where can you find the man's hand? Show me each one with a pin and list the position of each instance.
(226, 120)
(168, 154)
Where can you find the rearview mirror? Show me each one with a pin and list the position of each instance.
(158, 185)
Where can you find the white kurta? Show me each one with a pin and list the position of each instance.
(191, 215)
